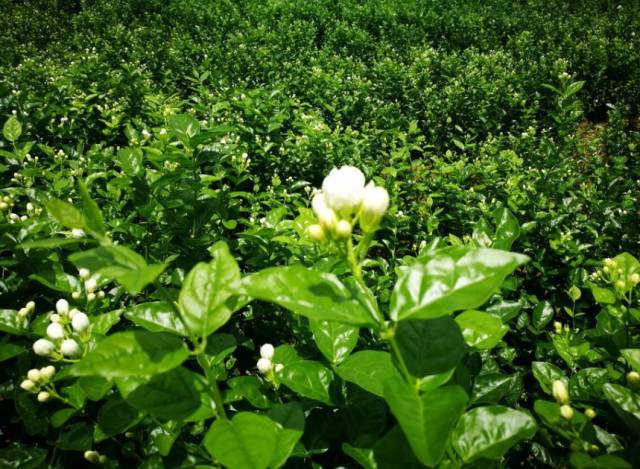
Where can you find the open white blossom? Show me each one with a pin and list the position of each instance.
(326, 216)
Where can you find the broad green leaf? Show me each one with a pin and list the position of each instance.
(546, 374)
(507, 228)
(206, 290)
(60, 417)
(114, 417)
(77, 437)
(102, 323)
(95, 387)
(64, 213)
(481, 330)
(587, 384)
(178, 394)
(632, 355)
(11, 323)
(369, 369)
(491, 388)
(389, 452)
(8, 351)
(157, 316)
(290, 421)
(132, 353)
(308, 378)
(626, 403)
(130, 160)
(451, 279)
(430, 346)
(542, 314)
(219, 346)
(606, 461)
(93, 221)
(427, 419)
(120, 264)
(12, 129)
(249, 388)
(488, 432)
(334, 339)
(248, 441)
(318, 296)
(184, 127)
(20, 456)
(604, 296)
(57, 280)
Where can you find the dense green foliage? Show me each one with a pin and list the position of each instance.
(171, 148)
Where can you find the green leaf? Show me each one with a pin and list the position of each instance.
(8, 351)
(77, 437)
(334, 339)
(132, 353)
(248, 441)
(205, 291)
(10, 322)
(431, 346)
(318, 296)
(12, 129)
(489, 432)
(481, 330)
(60, 417)
(427, 419)
(157, 316)
(389, 452)
(507, 228)
(542, 314)
(120, 264)
(308, 378)
(546, 374)
(184, 127)
(290, 421)
(130, 160)
(626, 403)
(21, 456)
(249, 388)
(93, 221)
(64, 213)
(369, 369)
(178, 394)
(632, 355)
(604, 296)
(114, 417)
(57, 280)
(451, 279)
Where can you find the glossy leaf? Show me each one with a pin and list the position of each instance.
(481, 330)
(507, 228)
(248, 441)
(132, 353)
(542, 314)
(489, 432)
(546, 374)
(451, 279)
(91, 213)
(157, 316)
(318, 296)
(12, 129)
(369, 369)
(289, 418)
(65, 213)
(626, 403)
(427, 419)
(335, 340)
(308, 378)
(633, 357)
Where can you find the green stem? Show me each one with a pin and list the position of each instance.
(356, 271)
(214, 389)
(390, 337)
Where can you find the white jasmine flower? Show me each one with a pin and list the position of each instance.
(34, 375)
(76, 295)
(47, 372)
(77, 233)
(80, 322)
(343, 189)
(84, 273)
(326, 216)
(28, 385)
(43, 396)
(73, 312)
(70, 348)
(55, 331)
(316, 232)
(91, 285)
(62, 307)
(264, 365)
(343, 229)
(267, 351)
(55, 317)
(374, 203)
(43, 347)
(91, 296)
(31, 305)
(559, 391)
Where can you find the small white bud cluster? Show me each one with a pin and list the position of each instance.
(344, 201)
(561, 395)
(94, 457)
(613, 273)
(59, 332)
(77, 233)
(37, 382)
(5, 203)
(26, 309)
(265, 363)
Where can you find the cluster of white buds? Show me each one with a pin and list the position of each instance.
(77, 233)
(26, 309)
(561, 395)
(5, 203)
(37, 382)
(90, 286)
(94, 457)
(64, 322)
(614, 274)
(265, 363)
(344, 201)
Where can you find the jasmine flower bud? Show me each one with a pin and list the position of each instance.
(590, 413)
(566, 411)
(84, 273)
(343, 229)
(43, 396)
(264, 365)
(76, 295)
(91, 285)
(316, 232)
(633, 379)
(70, 348)
(77, 233)
(343, 189)
(31, 305)
(43, 347)
(28, 385)
(374, 203)
(100, 294)
(80, 322)
(557, 325)
(91, 296)
(55, 331)
(102, 459)
(560, 393)
(267, 351)
(34, 375)
(326, 216)
(62, 307)
(92, 456)
(73, 313)
(55, 317)
(47, 372)
(23, 312)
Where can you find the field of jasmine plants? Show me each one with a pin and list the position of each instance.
(320, 234)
